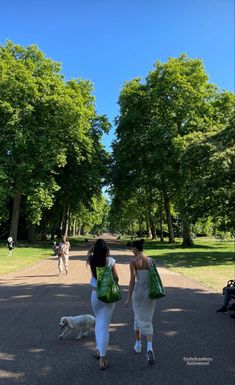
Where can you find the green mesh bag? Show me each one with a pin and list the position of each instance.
(108, 290)
(155, 286)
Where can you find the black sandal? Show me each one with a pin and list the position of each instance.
(104, 366)
(96, 354)
(150, 357)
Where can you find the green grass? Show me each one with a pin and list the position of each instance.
(23, 255)
(208, 261)
(26, 254)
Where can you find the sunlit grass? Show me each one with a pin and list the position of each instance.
(26, 254)
(209, 262)
(23, 255)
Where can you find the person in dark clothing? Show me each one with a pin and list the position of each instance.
(229, 293)
(10, 245)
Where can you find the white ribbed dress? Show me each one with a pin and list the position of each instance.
(143, 306)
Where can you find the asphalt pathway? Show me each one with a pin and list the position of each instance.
(194, 345)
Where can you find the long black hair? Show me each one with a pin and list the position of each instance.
(139, 245)
(98, 256)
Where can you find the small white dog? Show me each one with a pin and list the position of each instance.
(82, 324)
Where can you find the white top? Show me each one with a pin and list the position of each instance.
(110, 262)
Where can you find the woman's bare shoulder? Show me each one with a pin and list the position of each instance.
(134, 262)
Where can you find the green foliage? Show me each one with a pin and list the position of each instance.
(209, 175)
(50, 139)
(174, 145)
(94, 217)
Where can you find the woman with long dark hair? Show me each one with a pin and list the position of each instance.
(98, 256)
(143, 306)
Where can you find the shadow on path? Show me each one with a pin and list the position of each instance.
(185, 323)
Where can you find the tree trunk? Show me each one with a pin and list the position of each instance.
(62, 222)
(169, 220)
(54, 230)
(153, 232)
(132, 229)
(152, 226)
(122, 228)
(147, 227)
(66, 227)
(65, 222)
(150, 216)
(31, 231)
(15, 216)
(140, 221)
(43, 231)
(74, 227)
(161, 230)
(52, 233)
(187, 237)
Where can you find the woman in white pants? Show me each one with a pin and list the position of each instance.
(98, 255)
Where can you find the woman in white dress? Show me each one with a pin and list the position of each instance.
(143, 306)
(63, 255)
(98, 255)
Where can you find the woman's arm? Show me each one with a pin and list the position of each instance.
(115, 274)
(131, 283)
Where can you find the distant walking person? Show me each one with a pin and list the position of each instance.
(63, 255)
(10, 245)
(98, 256)
(143, 306)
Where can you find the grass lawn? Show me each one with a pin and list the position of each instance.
(26, 254)
(209, 261)
(23, 255)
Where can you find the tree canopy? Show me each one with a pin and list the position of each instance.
(51, 152)
(164, 123)
(172, 166)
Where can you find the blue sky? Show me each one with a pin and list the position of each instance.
(111, 41)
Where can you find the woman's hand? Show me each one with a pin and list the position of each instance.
(127, 303)
(90, 251)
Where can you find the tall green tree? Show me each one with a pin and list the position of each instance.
(209, 185)
(47, 127)
(156, 118)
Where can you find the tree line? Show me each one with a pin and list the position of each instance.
(52, 162)
(173, 168)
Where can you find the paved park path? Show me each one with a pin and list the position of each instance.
(187, 329)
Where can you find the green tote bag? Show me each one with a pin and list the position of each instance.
(108, 290)
(155, 286)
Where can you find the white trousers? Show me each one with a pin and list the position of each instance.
(103, 312)
(63, 262)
